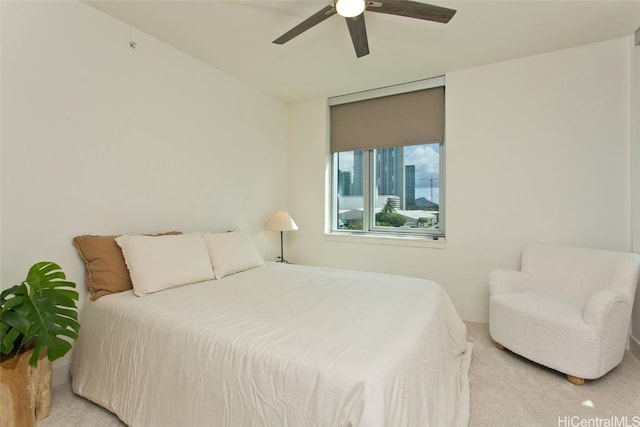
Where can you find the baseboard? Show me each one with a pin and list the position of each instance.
(634, 347)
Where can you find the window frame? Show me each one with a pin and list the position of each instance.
(368, 220)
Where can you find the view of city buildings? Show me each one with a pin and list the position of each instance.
(407, 189)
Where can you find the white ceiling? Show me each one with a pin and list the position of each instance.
(235, 36)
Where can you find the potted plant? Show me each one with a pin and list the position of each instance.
(37, 319)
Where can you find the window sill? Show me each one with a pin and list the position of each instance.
(389, 240)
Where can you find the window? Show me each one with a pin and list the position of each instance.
(393, 189)
(380, 184)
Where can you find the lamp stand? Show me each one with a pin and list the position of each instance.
(282, 249)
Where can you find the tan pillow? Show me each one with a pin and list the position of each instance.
(106, 271)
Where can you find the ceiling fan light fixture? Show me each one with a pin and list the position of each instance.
(350, 8)
(353, 12)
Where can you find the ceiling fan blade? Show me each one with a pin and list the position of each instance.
(358, 32)
(411, 9)
(311, 21)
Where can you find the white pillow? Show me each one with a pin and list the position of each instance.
(162, 262)
(231, 252)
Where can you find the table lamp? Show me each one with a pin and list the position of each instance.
(281, 221)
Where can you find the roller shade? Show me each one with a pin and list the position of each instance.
(404, 119)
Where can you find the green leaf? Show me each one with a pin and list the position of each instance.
(10, 341)
(16, 321)
(42, 308)
(8, 293)
(71, 314)
(13, 302)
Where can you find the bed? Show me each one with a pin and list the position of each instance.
(278, 345)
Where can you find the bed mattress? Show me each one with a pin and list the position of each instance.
(278, 345)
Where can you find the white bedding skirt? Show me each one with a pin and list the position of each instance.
(278, 345)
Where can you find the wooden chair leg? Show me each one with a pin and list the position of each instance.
(499, 346)
(575, 380)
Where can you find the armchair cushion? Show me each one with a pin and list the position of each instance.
(546, 328)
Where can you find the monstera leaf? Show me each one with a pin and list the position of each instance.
(39, 312)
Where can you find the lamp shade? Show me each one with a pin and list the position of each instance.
(281, 221)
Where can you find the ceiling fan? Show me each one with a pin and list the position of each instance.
(353, 12)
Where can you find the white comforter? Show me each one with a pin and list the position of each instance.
(279, 345)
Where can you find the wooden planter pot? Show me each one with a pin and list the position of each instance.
(25, 391)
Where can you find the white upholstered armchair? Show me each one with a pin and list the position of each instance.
(568, 308)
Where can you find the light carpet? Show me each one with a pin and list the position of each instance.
(506, 390)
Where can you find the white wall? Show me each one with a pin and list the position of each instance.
(537, 151)
(635, 180)
(98, 138)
